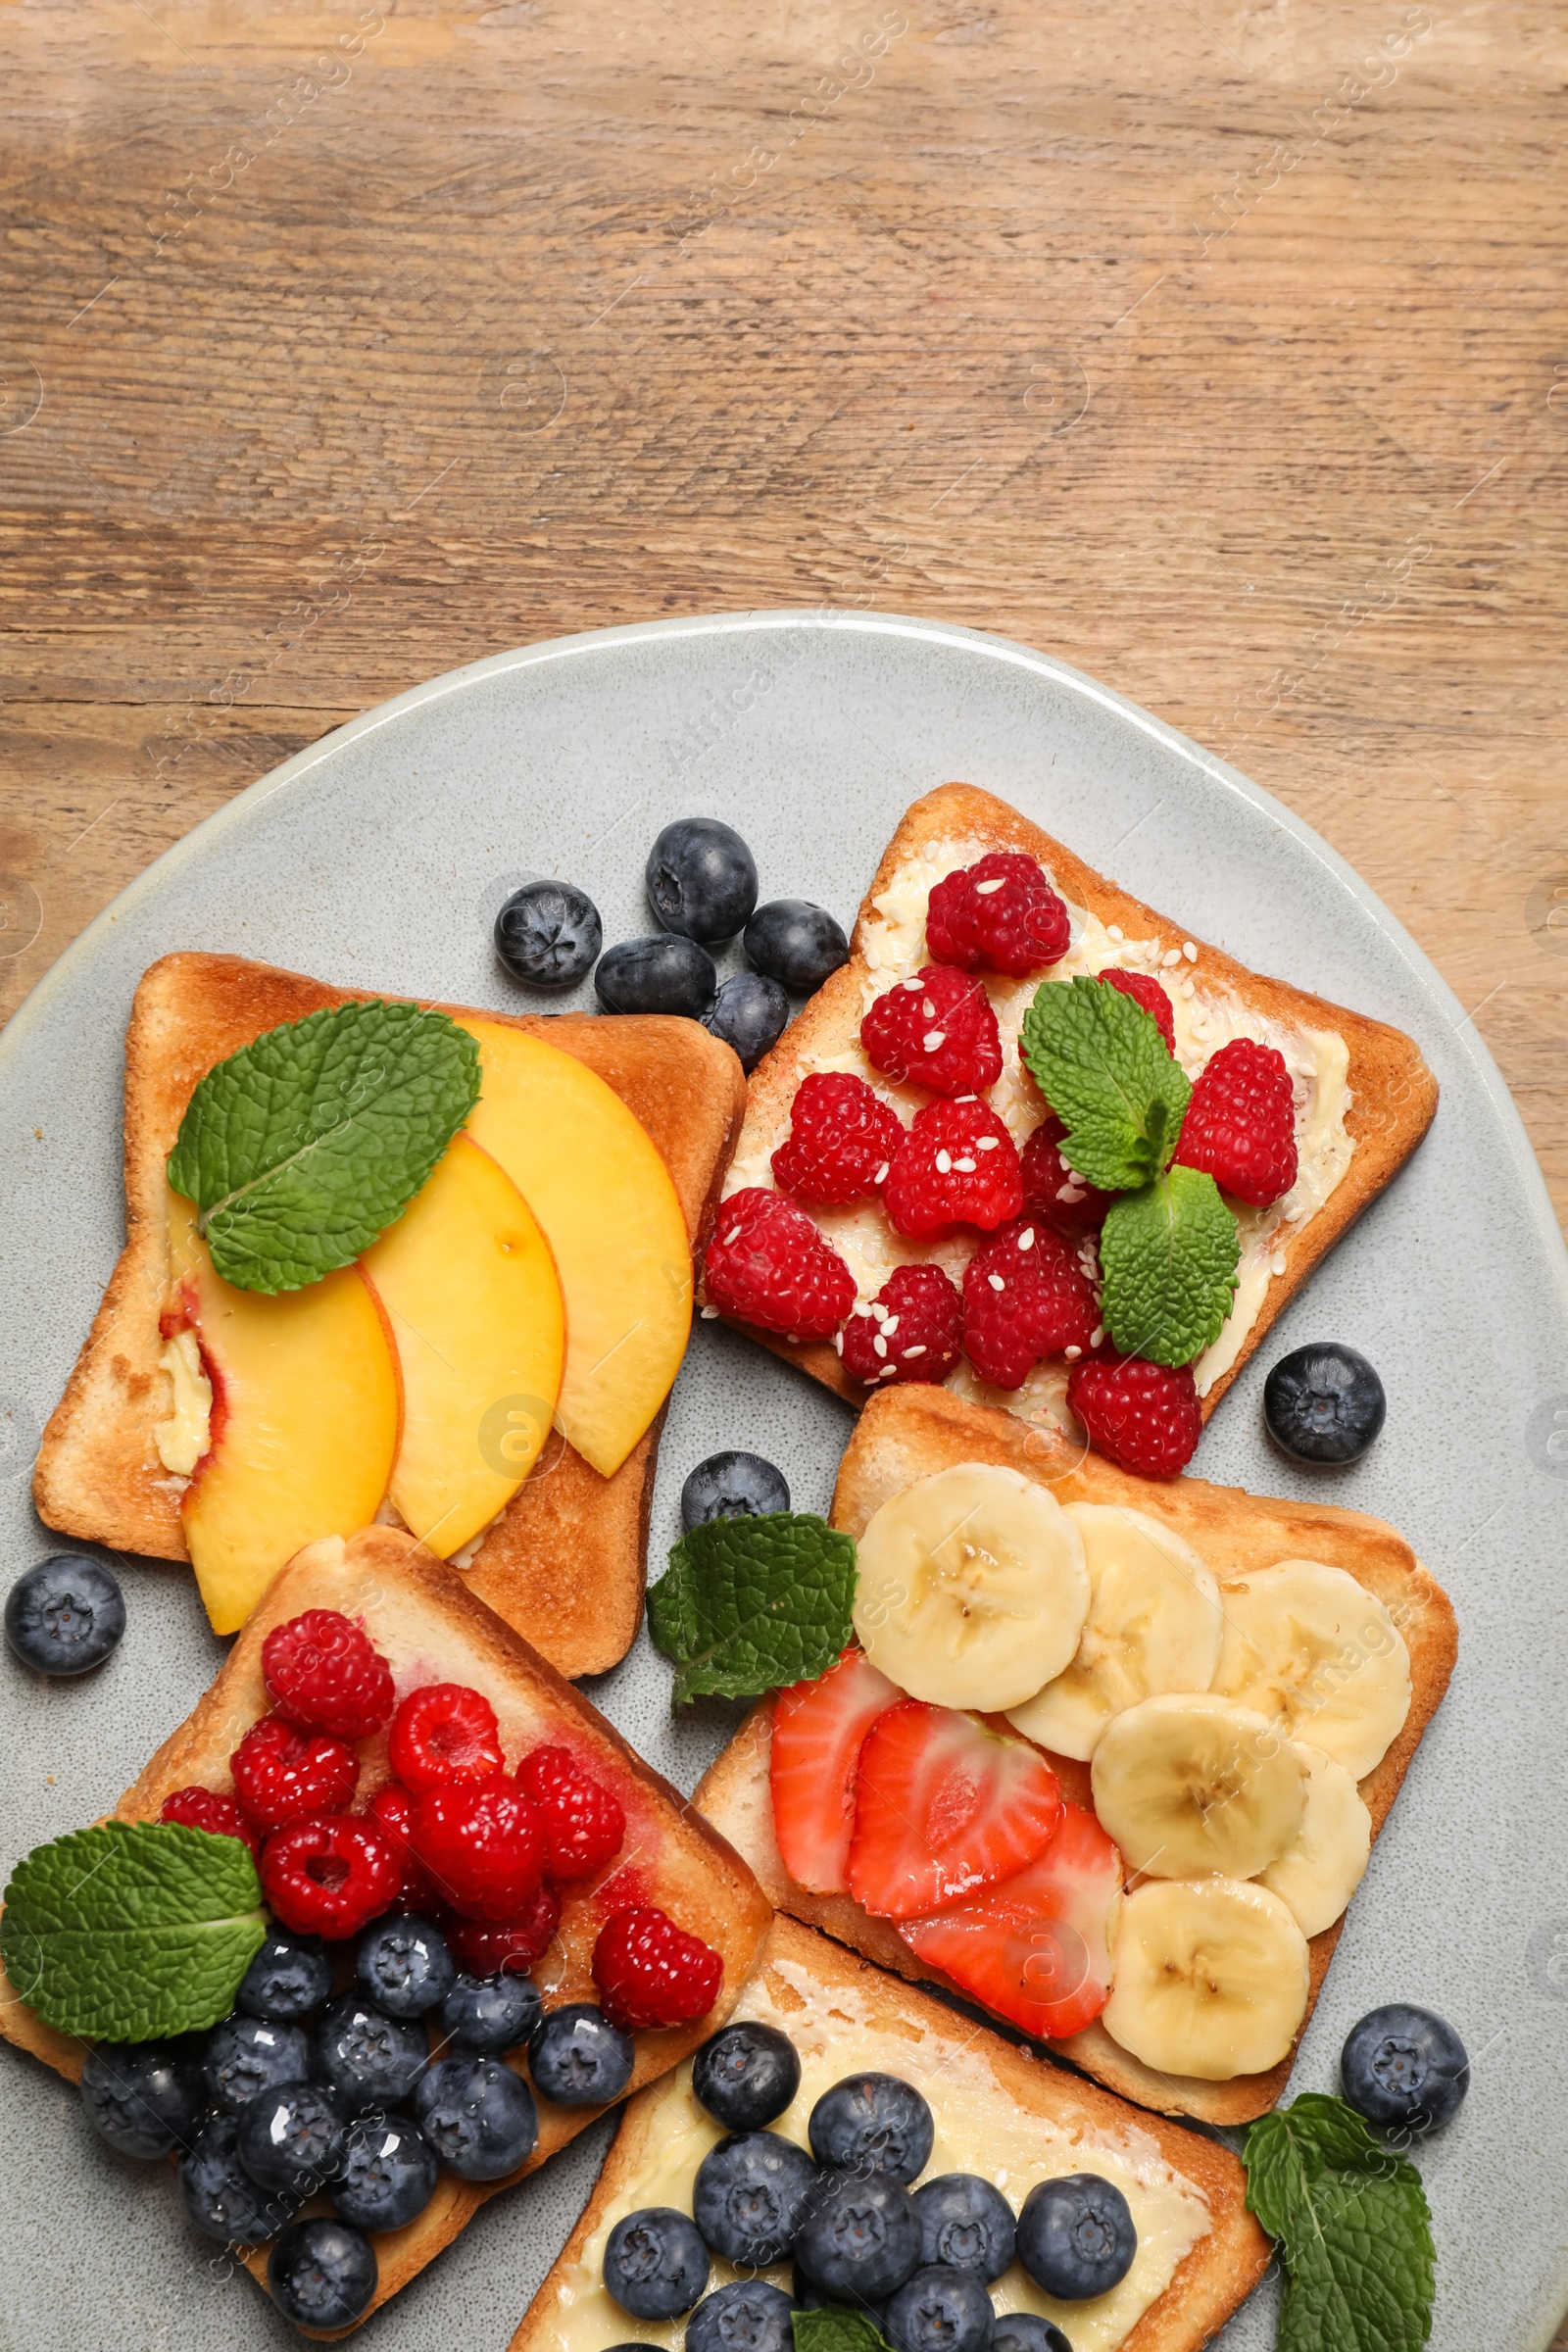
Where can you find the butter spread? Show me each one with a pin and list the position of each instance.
(183, 1438)
(978, 2129)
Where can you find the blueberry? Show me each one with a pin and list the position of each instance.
(813, 2297)
(1404, 2067)
(1022, 2331)
(872, 2124)
(402, 1965)
(938, 2310)
(748, 2316)
(861, 2238)
(750, 2197)
(655, 2266)
(702, 879)
(478, 2116)
(321, 2274)
(967, 2223)
(548, 933)
(795, 944)
(289, 1977)
(247, 2055)
(663, 974)
(144, 2097)
(370, 2059)
(291, 2139)
(486, 2015)
(1076, 2236)
(732, 1485)
(578, 2059)
(747, 2075)
(750, 1013)
(220, 2197)
(389, 2173)
(65, 1615)
(1324, 1403)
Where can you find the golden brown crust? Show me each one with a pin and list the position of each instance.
(1211, 2280)
(565, 1561)
(906, 1434)
(429, 1626)
(1393, 1095)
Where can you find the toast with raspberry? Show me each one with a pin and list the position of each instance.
(428, 1625)
(910, 1433)
(564, 1558)
(992, 2102)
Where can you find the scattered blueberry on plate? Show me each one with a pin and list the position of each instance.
(548, 933)
(750, 1013)
(321, 2274)
(1404, 2068)
(65, 1615)
(732, 1485)
(701, 879)
(666, 973)
(578, 2059)
(746, 2074)
(794, 944)
(1323, 1403)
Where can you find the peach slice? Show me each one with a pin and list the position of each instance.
(304, 1425)
(468, 1282)
(594, 1178)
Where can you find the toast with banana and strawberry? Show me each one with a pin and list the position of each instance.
(484, 1790)
(1035, 1142)
(491, 1372)
(1105, 1755)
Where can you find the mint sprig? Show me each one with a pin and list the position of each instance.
(128, 1931)
(1101, 1064)
(304, 1146)
(749, 1604)
(1352, 2224)
(1168, 1255)
(834, 2327)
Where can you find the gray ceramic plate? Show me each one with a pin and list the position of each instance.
(378, 859)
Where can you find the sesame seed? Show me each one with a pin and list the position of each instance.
(910, 1352)
(986, 1143)
(944, 1163)
(730, 1237)
(996, 1282)
(838, 1343)
(934, 1039)
(1276, 1264)
(861, 1307)
(887, 1372)
(890, 1327)
(1171, 957)
(879, 1345)
(710, 1313)
(983, 890)
(965, 1166)
(1070, 1192)
(881, 1175)
(1114, 931)
(929, 1010)
(1026, 1238)
(1072, 1354)
(1189, 988)
(1190, 950)
(915, 983)
(1096, 1334)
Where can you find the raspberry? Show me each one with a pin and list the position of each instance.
(584, 1820)
(937, 1029)
(1051, 1190)
(321, 1675)
(908, 1331)
(768, 1265)
(328, 1878)
(841, 1140)
(651, 1973)
(205, 1809)
(1025, 1296)
(515, 1944)
(483, 1842)
(1241, 1123)
(390, 1810)
(956, 1166)
(1001, 913)
(1145, 1416)
(281, 1774)
(444, 1731)
(1150, 994)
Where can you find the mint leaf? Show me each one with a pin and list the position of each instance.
(1169, 1257)
(749, 1604)
(1351, 2221)
(128, 1931)
(303, 1146)
(1103, 1067)
(835, 2329)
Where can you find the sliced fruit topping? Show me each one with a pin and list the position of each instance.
(1318, 1875)
(818, 1731)
(1194, 1783)
(841, 1140)
(1051, 1191)
(1145, 1416)
(1025, 1296)
(444, 1731)
(1145, 991)
(584, 1820)
(973, 1588)
(281, 1774)
(768, 1265)
(942, 1807)
(323, 1674)
(957, 1165)
(1240, 1126)
(909, 1331)
(1036, 1948)
(937, 1030)
(1000, 914)
(1311, 1648)
(1211, 1978)
(652, 1972)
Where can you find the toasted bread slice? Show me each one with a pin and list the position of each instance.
(908, 1432)
(564, 1559)
(1386, 1107)
(999, 2112)
(430, 1628)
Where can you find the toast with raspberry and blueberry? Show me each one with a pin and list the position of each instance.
(899, 1126)
(800, 1791)
(488, 1796)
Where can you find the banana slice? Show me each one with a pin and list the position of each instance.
(1211, 1978)
(1154, 1625)
(973, 1588)
(1319, 1655)
(1318, 1875)
(1192, 1783)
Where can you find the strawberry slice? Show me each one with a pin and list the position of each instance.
(819, 1729)
(942, 1807)
(1036, 1948)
